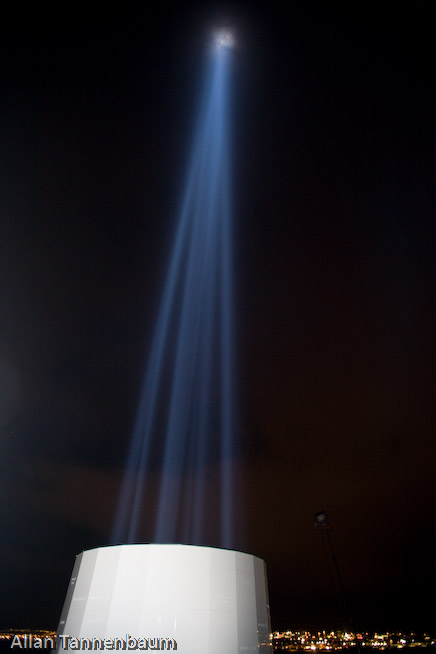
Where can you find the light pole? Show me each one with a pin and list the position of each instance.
(322, 524)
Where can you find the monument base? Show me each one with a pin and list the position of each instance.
(196, 600)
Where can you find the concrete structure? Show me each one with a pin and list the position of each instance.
(198, 600)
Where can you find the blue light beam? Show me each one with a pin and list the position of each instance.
(190, 370)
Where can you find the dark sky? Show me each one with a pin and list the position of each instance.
(334, 181)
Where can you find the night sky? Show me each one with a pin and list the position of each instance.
(334, 173)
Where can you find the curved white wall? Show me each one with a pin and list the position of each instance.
(206, 600)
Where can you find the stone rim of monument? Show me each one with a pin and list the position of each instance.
(195, 599)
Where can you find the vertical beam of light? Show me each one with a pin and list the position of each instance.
(188, 389)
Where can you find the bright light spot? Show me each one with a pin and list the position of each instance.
(224, 39)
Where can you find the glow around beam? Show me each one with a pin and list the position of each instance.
(224, 39)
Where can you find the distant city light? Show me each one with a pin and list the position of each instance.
(299, 641)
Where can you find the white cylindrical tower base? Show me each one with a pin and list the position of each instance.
(198, 600)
